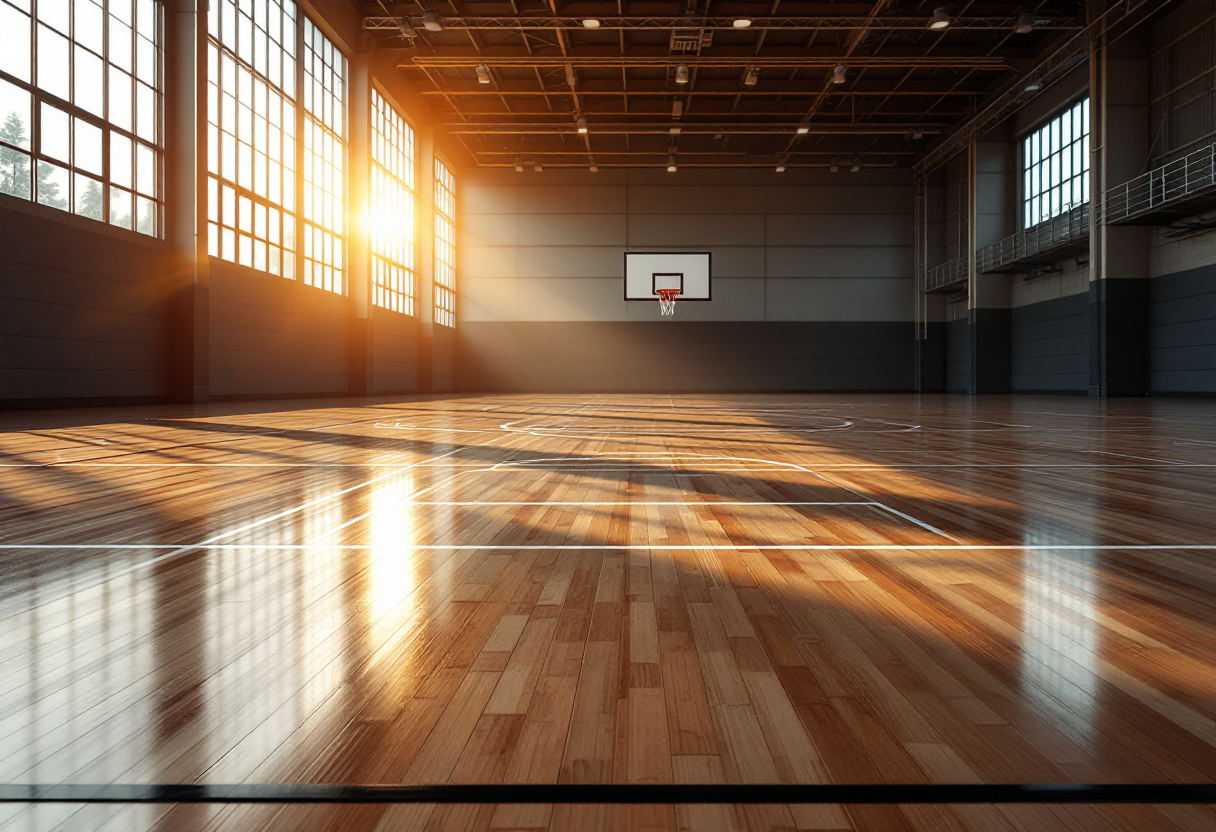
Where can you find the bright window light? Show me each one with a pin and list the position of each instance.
(392, 216)
(324, 158)
(1055, 166)
(92, 101)
(252, 142)
(445, 245)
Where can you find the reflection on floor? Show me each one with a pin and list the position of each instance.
(796, 589)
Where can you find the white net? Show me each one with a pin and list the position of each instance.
(667, 301)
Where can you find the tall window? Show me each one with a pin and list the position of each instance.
(259, 55)
(445, 245)
(324, 161)
(1055, 166)
(251, 134)
(392, 220)
(80, 103)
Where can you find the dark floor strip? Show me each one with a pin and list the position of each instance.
(611, 793)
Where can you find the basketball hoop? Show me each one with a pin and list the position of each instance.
(667, 300)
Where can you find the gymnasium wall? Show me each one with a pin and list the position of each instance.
(1182, 314)
(812, 286)
(83, 311)
(1050, 312)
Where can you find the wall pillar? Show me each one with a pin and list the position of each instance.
(186, 200)
(989, 314)
(1118, 279)
(359, 339)
(425, 252)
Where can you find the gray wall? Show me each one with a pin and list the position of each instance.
(394, 352)
(271, 336)
(958, 355)
(1182, 332)
(83, 313)
(812, 280)
(1051, 346)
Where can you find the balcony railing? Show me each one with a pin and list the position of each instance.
(1175, 190)
(950, 276)
(1036, 247)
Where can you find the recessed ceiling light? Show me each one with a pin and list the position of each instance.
(741, 22)
(591, 23)
(1025, 23)
(431, 21)
(682, 74)
(941, 20)
(838, 74)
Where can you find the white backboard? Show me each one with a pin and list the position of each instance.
(646, 271)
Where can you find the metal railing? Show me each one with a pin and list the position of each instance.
(948, 277)
(1027, 248)
(1167, 189)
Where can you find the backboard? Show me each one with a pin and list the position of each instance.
(646, 272)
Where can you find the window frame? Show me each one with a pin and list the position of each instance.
(287, 82)
(135, 133)
(1034, 164)
(444, 295)
(406, 300)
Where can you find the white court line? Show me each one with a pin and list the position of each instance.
(628, 503)
(178, 551)
(481, 547)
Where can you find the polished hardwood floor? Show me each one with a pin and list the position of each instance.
(596, 589)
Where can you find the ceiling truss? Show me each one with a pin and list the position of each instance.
(682, 82)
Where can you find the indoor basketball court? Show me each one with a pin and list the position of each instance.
(680, 416)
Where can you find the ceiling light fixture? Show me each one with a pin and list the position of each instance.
(1033, 85)
(595, 168)
(940, 21)
(519, 166)
(591, 23)
(781, 166)
(838, 74)
(483, 74)
(431, 21)
(856, 165)
(582, 124)
(675, 130)
(752, 76)
(917, 134)
(803, 128)
(682, 74)
(835, 166)
(539, 167)
(741, 22)
(677, 108)
(671, 164)
(1025, 24)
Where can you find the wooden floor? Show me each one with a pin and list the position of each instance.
(593, 589)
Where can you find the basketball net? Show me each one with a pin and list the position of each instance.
(667, 300)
